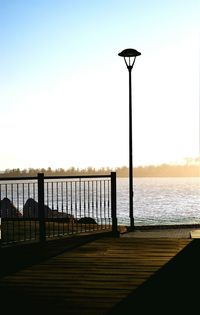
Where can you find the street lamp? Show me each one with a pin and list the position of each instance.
(129, 56)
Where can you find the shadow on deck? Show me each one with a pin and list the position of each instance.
(20, 256)
(174, 289)
(106, 276)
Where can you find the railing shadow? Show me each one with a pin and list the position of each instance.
(15, 258)
(173, 289)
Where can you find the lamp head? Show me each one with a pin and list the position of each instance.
(129, 52)
(131, 55)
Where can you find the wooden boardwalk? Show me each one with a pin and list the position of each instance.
(94, 279)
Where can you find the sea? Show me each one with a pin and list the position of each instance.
(156, 201)
(160, 200)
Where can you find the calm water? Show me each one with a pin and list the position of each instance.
(156, 200)
(160, 200)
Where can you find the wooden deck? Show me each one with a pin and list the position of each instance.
(105, 276)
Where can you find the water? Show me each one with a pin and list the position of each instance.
(160, 201)
(157, 201)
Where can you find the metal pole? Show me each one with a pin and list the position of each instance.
(41, 214)
(127, 54)
(114, 204)
(130, 153)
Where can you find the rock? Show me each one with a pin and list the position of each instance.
(30, 210)
(87, 220)
(8, 210)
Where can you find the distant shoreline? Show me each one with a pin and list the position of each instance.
(163, 170)
(2, 175)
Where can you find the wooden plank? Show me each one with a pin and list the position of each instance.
(195, 234)
(91, 278)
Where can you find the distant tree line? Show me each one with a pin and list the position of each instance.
(163, 170)
(56, 172)
(166, 170)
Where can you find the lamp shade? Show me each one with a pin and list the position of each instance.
(129, 52)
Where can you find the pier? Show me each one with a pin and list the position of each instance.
(102, 274)
(63, 252)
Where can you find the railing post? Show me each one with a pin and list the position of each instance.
(41, 215)
(114, 203)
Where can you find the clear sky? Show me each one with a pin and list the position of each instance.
(64, 89)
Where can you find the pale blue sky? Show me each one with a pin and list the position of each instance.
(64, 90)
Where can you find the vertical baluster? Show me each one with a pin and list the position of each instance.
(1, 220)
(88, 200)
(48, 214)
(97, 212)
(93, 203)
(108, 202)
(84, 214)
(75, 194)
(71, 199)
(67, 206)
(11, 188)
(57, 207)
(88, 197)
(107, 198)
(30, 212)
(41, 206)
(62, 216)
(93, 199)
(17, 230)
(0, 201)
(80, 203)
(8, 227)
(10, 223)
(100, 192)
(35, 223)
(52, 214)
(31, 222)
(103, 209)
(12, 214)
(1, 217)
(57, 213)
(6, 217)
(24, 222)
(84, 203)
(57, 200)
(104, 202)
(114, 203)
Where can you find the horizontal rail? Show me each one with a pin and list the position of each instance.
(52, 177)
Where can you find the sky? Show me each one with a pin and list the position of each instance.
(64, 89)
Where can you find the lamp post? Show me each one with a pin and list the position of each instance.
(129, 56)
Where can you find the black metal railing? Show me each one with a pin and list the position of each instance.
(45, 207)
